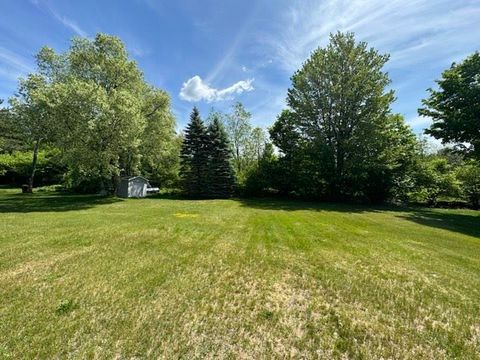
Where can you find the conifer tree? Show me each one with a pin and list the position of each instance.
(194, 157)
(220, 172)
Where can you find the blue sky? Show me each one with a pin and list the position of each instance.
(211, 53)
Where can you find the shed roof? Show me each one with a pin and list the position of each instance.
(130, 178)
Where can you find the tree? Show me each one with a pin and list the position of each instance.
(31, 117)
(256, 144)
(238, 127)
(247, 142)
(340, 124)
(221, 179)
(108, 120)
(264, 176)
(194, 157)
(455, 106)
(98, 101)
(293, 172)
(160, 146)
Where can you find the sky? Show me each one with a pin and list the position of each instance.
(211, 53)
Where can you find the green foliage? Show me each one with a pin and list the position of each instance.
(206, 168)
(469, 175)
(94, 104)
(30, 116)
(98, 105)
(238, 127)
(10, 139)
(15, 167)
(247, 142)
(31, 120)
(221, 180)
(455, 106)
(263, 178)
(160, 145)
(339, 140)
(434, 178)
(194, 157)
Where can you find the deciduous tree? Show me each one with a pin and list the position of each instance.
(455, 106)
(340, 123)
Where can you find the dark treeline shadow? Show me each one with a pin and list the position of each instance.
(468, 224)
(452, 220)
(48, 202)
(286, 204)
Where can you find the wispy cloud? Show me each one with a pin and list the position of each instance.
(195, 89)
(410, 30)
(12, 65)
(65, 21)
(14, 60)
(229, 56)
(72, 25)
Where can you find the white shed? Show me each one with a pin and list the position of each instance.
(135, 186)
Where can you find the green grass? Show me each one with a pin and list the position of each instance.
(91, 277)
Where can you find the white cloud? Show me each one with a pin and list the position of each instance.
(195, 89)
(419, 122)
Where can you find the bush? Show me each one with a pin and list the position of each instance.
(469, 175)
(15, 167)
(434, 179)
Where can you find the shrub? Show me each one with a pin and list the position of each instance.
(15, 167)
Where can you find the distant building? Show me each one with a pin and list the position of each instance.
(134, 186)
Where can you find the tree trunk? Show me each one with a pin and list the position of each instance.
(34, 165)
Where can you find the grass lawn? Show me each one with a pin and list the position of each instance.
(91, 277)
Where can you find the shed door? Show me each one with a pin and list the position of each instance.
(137, 188)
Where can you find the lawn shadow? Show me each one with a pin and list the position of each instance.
(467, 224)
(49, 201)
(298, 205)
(452, 220)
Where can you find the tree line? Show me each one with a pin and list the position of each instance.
(90, 112)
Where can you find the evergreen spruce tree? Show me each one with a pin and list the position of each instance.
(194, 157)
(221, 180)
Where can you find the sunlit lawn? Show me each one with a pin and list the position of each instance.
(91, 277)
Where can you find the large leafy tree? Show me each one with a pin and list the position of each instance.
(221, 178)
(107, 119)
(98, 99)
(340, 123)
(194, 157)
(455, 106)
